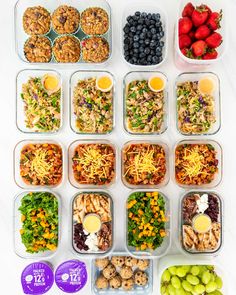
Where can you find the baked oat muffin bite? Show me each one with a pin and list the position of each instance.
(94, 21)
(65, 20)
(36, 21)
(66, 49)
(95, 49)
(38, 49)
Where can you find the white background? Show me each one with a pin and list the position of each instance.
(11, 265)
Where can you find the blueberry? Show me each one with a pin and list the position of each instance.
(147, 41)
(149, 58)
(141, 41)
(162, 43)
(143, 14)
(142, 55)
(134, 60)
(133, 29)
(149, 16)
(136, 45)
(126, 47)
(147, 22)
(129, 18)
(144, 30)
(136, 38)
(161, 34)
(147, 50)
(152, 22)
(131, 34)
(153, 43)
(142, 36)
(136, 50)
(141, 49)
(155, 59)
(126, 41)
(158, 53)
(153, 31)
(126, 29)
(149, 34)
(154, 37)
(141, 21)
(139, 27)
(137, 13)
(152, 52)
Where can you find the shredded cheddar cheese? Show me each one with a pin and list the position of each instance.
(40, 164)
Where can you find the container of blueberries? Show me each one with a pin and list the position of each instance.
(144, 35)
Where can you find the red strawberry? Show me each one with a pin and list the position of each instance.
(200, 15)
(211, 54)
(187, 52)
(185, 25)
(214, 20)
(188, 10)
(202, 32)
(214, 40)
(208, 10)
(199, 48)
(192, 35)
(184, 41)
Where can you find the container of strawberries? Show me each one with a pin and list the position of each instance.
(200, 33)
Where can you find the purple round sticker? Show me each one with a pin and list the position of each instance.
(37, 278)
(71, 276)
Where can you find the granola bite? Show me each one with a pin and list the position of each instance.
(94, 21)
(36, 21)
(95, 49)
(38, 49)
(66, 49)
(65, 20)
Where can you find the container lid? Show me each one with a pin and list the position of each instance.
(37, 278)
(71, 276)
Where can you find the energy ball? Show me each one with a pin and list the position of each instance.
(127, 284)
(102, 262)
(143, 264)
(115, 282)
(126, 272)
(118, 261)
(140, 278)
(130, 261)
(101, 282)
(109, 271)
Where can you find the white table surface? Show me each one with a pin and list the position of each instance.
(11, 265)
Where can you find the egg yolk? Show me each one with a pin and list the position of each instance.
(104, 82)
(156, 83)
(92, 223)
(206, 85)
(50, 82)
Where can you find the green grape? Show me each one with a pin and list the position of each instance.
(172, 270)
(199, 289)
(166, 276)
(188, 293)
(206, 277)
(164, 290)
(210, 267)
(181, 272)
(171, 290)
(219, 282)
(216, 292)
(195, 270)
(213, 277)
(175, 281)
(192, 280)
(202, 268)
(187, 286)
(211, 287)
(186, 268)
(180, 291)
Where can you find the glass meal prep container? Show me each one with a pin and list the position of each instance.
(39, 101)
(201, 222)
(149, 7)
(145, 164)
(198, 163)
(148, 225)
(37, 224)
(38, 164)
(92, 223)
(187, 63)
(120, 273)
(190, 275)
(145, 111)
(198, 103)
(92, 163)
(91, 109)
(71, 28)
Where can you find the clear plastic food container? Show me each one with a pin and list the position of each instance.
(188, 63)
(19, 247)
(150, 6)
(166, 243)
(22, 78)
(97, 234)
(139, 76)
(21, 36)
(218, 157)
(140, 290)
(179, 260)
(198, 204)
(162, 182)
(82, 75)
(17, 160)
(193, 77)
(82, 184)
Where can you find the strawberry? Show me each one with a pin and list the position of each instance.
(210, 54)
(200, 15)
(214, 40)
(184, 41)
(192, 35)
(187, 52)
(214, 20)
(188, 10)
(202, 32)
(199, 48)
(208, 10)
(185, 25)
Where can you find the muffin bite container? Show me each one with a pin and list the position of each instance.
(207, 253)
(196, 76)
(109, 291)
(22, 78)
(19, 247)
(51, 6)
(165, 246)
(144, 75)
(81, 75)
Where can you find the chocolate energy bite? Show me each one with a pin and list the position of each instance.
(38, 49)
(94, 21)
(66, 49)
(36, 21)
(65, 20)
(95, 49)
